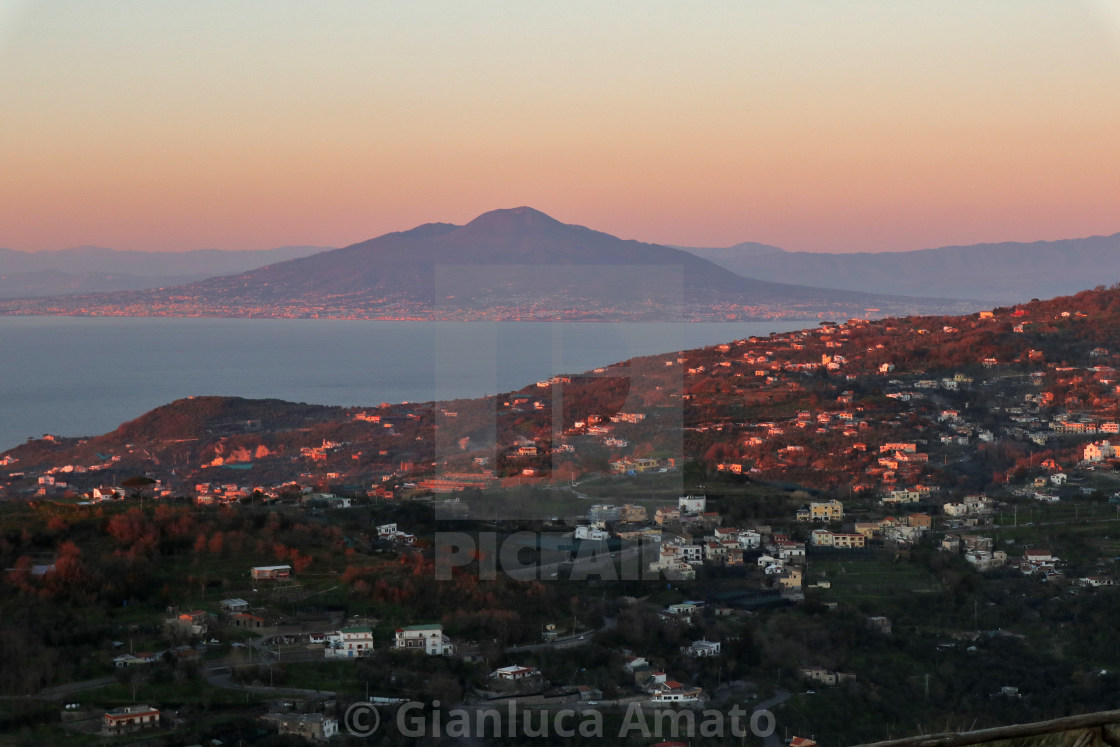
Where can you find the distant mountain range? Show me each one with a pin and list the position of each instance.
(1000, 273)
(506, 264)
(94, 269)
(406, 267)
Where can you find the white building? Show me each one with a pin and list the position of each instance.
(674, 692)
(514, 672)
(591, 533)
(234, 605)
(349, 643)
(983, 560)
(692, 553)
(692, 504)
(427, 638)
(750, 540)
(1098, 451)
(671, 562)
(791, 551)
(682, 611)
(703, 648)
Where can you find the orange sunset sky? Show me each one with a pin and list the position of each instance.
(852, 125)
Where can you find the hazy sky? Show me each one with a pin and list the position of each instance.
(823, 126)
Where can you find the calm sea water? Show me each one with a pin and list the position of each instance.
(74, 376)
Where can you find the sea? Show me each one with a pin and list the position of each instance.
(84, 376)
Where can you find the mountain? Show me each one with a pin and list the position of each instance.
(1000, 273)
(506, 264)
(94, 269)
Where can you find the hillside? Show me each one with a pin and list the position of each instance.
(900, 523)
(1045, 362)
(505, 264)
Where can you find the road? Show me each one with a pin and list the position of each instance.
(223, 679)
(779, 697)
(570, 641)
(209, 668)
(1058, 522)
(62, 692)
(609, 566)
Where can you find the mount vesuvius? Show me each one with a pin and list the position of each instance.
(506, 264)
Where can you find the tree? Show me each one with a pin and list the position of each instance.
(137, 484)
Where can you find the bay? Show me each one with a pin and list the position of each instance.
(83, 376)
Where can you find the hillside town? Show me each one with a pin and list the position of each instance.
(766, 520)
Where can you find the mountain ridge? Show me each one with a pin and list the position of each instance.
(95, 269)
(999, 272)
(515, 263)
(994, 272)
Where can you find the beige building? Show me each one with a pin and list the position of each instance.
(825, 538)
(790, 579)
(314, 727)
(128, 719)
(830, 511)
(632, 514)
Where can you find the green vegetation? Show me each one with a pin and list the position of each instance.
(881, 583)
(761, 446)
